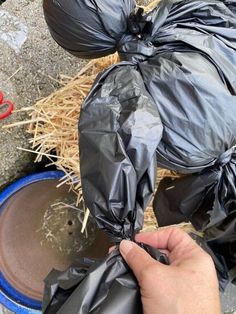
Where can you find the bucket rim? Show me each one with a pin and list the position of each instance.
(12, 299)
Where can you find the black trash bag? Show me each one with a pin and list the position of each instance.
(102, 287)
(178, 74)
(120, 129)
(205, 199)
(208, 200)
(88, 28)
(191, 78)
(219, 261)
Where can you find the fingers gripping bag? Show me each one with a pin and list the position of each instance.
(170, 102)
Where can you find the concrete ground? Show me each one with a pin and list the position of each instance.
(29, 61)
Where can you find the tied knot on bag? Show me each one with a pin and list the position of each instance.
(138, 22)
(135, 45)
(226, 157)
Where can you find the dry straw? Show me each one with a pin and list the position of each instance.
(53, 124)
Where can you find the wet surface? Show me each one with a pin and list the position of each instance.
(41, 230)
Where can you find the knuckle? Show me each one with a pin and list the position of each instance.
(177, 231)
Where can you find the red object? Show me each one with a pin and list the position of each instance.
(8, 103)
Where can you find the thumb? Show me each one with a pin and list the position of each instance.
(137, 258)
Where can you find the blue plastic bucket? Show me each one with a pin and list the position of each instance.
(10, 297)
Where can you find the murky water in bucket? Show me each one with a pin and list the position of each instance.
(61, 228)
(40, 229)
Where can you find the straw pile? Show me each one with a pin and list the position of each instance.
(53, 122)
(150, 6)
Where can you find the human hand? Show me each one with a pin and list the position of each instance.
(188, 285)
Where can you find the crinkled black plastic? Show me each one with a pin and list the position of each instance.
(208, 200)
(120, 129)
(102, 287)
(88, 28)
(171, 101)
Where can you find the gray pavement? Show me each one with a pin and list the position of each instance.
(27, 50)
(228, 300)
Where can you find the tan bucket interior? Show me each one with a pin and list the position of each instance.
(39, 233)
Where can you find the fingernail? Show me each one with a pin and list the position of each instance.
(125, 247)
